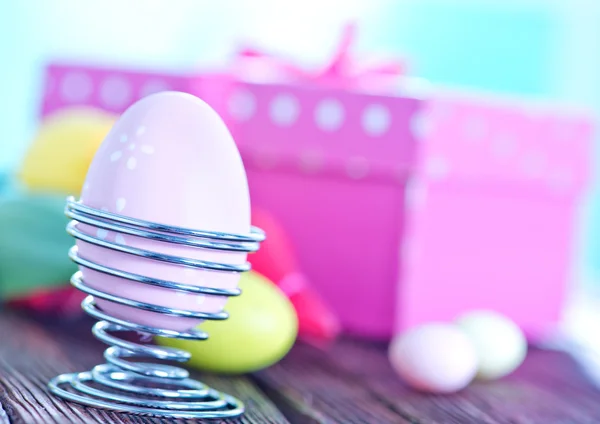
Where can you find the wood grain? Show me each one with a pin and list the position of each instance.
(349, 383)
(548, 388)
(32, 353)
(3, 416)
(312, 389)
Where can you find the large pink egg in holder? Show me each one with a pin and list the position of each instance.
(169, 160)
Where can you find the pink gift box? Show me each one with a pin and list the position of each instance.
(332, 167)
(491, 211)
(401, 210)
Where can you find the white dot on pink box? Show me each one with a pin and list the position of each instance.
(376, 120)
(154, 86)
(284, 110)
(115, 92)
(76, 86)
(329, 115)
(242, 105)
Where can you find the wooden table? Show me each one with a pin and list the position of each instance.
(351, 382)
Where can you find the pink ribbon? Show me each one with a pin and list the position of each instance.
(342, 71)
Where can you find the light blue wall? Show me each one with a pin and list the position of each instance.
(494, 47)
(16, 77)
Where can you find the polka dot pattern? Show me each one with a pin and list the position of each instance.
(115, 156)
(329, 115)
(115, 92)
(415, 194)
(497, 142)
(311, 161)
(242, 105)
(420, 123)
(376, 120)
(466, 135)
(131, 149)
(284, 110)
(154, 86)
(131, 163)
(76, 86)
(357, 167)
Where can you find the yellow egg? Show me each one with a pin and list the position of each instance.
(62, 150)
(261, 328)
(499, 342)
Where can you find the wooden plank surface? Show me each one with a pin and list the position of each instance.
(32, 353)
(549, 387)
(349, 383)
(354, 376)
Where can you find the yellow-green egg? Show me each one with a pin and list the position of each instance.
(261, 328)
(63, 148)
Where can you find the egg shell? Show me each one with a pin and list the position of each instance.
(500, 344)
(261, 330)
(168, 159)
(435, 357)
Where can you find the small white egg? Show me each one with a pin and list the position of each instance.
(435, 357)
(500, 344)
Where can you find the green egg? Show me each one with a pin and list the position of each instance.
(261, 329)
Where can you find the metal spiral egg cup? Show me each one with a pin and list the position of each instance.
(122, 384)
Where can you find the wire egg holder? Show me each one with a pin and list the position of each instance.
(122, 384)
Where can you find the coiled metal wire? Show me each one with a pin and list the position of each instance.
(127, 382)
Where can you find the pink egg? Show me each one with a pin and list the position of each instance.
(436, 357)
(169, 159)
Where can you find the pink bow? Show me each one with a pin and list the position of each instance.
(342, 71)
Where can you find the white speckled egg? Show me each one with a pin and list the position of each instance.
(169, 159)
(500, 344)
(434, 357)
